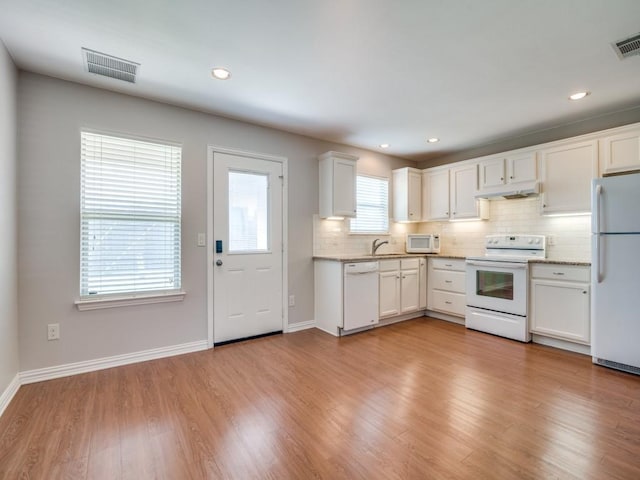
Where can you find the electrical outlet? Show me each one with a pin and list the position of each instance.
(53, 331)
(202, 240)
(292, 300)
(551, 240)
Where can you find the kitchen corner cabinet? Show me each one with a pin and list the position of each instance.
(449, 194)
(337, 187)
(621, 152)
(446, 282)
(559, 302)
(567, 171)
(407, 195)
(399, 286)
(510, 170)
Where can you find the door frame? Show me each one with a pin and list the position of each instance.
(211, 151)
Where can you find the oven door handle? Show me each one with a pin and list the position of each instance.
(497, 264)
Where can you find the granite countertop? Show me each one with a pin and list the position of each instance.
(352, 257)
(576, 263)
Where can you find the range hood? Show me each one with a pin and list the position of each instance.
(520, 190)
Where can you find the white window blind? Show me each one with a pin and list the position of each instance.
(372, 200)
(130, 216)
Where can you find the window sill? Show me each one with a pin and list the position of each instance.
(128, 300)
(370, 234)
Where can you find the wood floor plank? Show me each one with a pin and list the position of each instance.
(418, 399)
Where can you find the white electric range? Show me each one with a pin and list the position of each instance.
(498, 285)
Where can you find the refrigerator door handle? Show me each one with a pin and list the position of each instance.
(597, 232)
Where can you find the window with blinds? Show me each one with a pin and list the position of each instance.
(372, 198)
(130, 216)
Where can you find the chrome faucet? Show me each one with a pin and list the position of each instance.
(375, 245)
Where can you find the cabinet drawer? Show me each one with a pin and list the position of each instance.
(448, 302)
(388, 265)
(448, 280)
(409, 264)
(569, 273)
(448, 264)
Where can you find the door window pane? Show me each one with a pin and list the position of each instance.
(248, 212)
(494, 284)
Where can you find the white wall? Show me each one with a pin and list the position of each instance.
(51, 114)
(8, 222)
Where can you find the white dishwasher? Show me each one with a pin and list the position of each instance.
(360, 291)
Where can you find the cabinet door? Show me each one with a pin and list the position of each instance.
(561, 310)
(414, 202)
(621, 152)
(407, 195)
(435, 195)
(522, 168)
(492, 173)
(344, 188)
(463, 187)
(389, 301)
(567, 171)
(409, 291)
(422, 284)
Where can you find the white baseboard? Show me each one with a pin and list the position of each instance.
(296, 327)
(562, 344)
(9, 393)
(445, 316)
(49, 373)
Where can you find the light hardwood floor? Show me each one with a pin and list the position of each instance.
(419, 399)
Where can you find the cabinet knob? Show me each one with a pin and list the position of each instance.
(511, 177)
(584, 292)
(501, 179)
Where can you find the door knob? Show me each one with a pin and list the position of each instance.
(218, 262)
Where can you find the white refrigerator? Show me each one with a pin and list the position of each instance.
(615, 269)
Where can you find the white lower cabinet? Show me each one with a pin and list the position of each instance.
(446, 286)
(389, 288)
(399, 286)
(559, 302)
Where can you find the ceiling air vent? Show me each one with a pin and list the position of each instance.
(109, 66)
(628, 47)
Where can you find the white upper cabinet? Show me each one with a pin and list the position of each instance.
(435, 194)
(407, 195)
(621, 152)
(337, 186)
(507, 173)
(492, 173)
(449, 194)
(463, 186)
(567, 171)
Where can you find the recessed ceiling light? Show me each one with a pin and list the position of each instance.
(433, 140)
(220, 73)
(578, 95)
(384, 145)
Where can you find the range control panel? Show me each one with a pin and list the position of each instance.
(525, 246)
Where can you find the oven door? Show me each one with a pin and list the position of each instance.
(497, 286)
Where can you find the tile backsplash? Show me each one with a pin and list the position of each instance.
(331, 237)
(568, 237)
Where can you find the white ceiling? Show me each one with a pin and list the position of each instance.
(361, 72)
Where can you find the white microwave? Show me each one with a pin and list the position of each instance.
(423, 243)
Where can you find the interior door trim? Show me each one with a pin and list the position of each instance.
(211, 150)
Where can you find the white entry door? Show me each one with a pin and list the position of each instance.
(247, 246)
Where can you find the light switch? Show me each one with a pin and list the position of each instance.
(202, 240)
